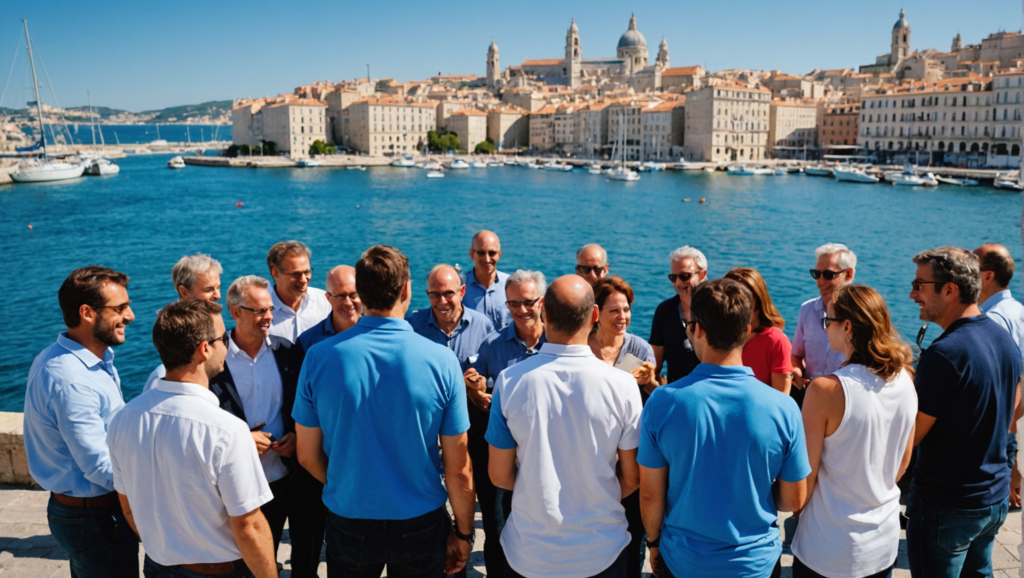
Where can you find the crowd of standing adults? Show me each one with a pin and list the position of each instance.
(375, 432)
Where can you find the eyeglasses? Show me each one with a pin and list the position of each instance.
(119, 309)
(684, 277)
(299, 274)
(828, 274)
(693, 321)
(826, 320)
(916, 285)
(515, 304)
(448, 295)
(585, 270)
(258, 312)
(222, 338)
(343, 296)
(491, 254)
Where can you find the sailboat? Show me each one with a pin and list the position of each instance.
(94, 162)
(44, 169)
(620, 172)
(158, 141)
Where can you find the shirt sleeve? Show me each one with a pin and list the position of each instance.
(657, 329)
(633, 406)
(936, 382)
(81, 426)
(498, 434)
(304, 408)
(118, 478)
(644, 350)
(797, 348)
(650, 455)
(781, 349)
(240, 479)
(456, 415)
(795, 464)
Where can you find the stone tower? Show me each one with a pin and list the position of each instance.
(957, 43)
(662, 61)
(493, 67)
(573, 57)
(900, 48)
(632, 49)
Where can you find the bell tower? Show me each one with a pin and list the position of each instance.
(573, 57)
(493, 67)
(900, 47)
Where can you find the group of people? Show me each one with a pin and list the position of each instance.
(377, 431)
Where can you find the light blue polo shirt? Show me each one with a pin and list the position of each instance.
(465, 340)
(488, 300)
(725, 438)
(382, 394)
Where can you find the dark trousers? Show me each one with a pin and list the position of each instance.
(98, 541)
(665, 572)
(151, 569)
(409, 548)
(306, 523)
(276, 510)
(801, 571)
(494, 502)
(948, 543)
(635, 549)
(616, 570)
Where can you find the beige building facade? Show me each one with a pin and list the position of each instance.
(792, 127)
(470, 125)
(727, 122)
(542, 128)
(508, 129)
(389, 126)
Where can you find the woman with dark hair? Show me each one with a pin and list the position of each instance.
(767, 351)
(859, 424)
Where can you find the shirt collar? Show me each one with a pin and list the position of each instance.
(566, 350)
(280, 306)
(996, 298)
(498, 278)
(328, 324)
(463, 321)
(233, 348)
(511, 335)
(81, 352)
(388, 323)
(720, 371)
(183, 388)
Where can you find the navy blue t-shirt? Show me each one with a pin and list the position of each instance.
(669, 332)
(966, 380)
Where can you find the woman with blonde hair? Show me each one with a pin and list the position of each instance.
(859, 424)
(768, 350)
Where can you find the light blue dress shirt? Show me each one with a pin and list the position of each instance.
(70, 399)
(1008, 313)
(811, 342)
(503, 349)
(465, 339)
(488, 300)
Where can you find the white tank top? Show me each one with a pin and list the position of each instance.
(851, 527)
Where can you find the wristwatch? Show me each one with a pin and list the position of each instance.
(652, 543)
(471, 538)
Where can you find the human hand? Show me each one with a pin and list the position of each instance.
(645, 374)
(481, 399)
(474, 381)
(1015, 487)
(798, 378)
(654, 555)
(285, 446)
(262, 440)
(457, 555)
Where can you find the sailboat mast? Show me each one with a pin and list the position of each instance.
(92, 121)
(35, 87)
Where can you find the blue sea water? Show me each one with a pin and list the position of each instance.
(144, 219)
(126, 134)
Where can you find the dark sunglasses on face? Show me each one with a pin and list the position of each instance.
(916, 285)
(222, 338)
(491, 254)
(119, 309)
(826, 320)
(684, 277)
(448, 295)
(828, 274)
(586, 270)
(515, 304)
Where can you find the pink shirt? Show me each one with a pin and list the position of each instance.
(768, 353)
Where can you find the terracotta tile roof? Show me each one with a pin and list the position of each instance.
(1011, 72)
(468, 112)
(664, 106)
(549, 109)
(299, 102)
(543, 62)
(681, 71)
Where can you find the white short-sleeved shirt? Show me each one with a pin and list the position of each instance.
(290, 324)
(567, 413)
(185, 465)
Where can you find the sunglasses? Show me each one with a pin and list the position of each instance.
(491, 254)
(586, 270)
(448, 295)
(343, 296)
(223, 339)
(258, 312)
(297, 275)
(826, 321)
(916, 285)
(119, 309)
(684, 277)
(827, 274)
(527, 304)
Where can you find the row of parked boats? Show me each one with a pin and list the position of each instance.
(49, 170)
(854, 173)
(436, 169)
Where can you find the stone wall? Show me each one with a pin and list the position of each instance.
(13, 463)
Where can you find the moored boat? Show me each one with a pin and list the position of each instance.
(956, 182)
(459, 164)
(46, 171)
(818, 171)
(853, 175)
(176, 163)
(403, 163)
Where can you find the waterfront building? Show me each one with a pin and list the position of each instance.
(792, 128)
(470, 125)
(390, 126)
(337, 123)
(447, 107)
(657, 138)
(593, 129)
(542, 129)
(508, 128)
(682, 78)
(625, 118)
(563, 129)
(727, 122)
(1009, 110)
(291, 123)
(838, 127)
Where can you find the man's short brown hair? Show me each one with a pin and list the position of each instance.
(722, 308)
(179, 329)
(277, 253)
(381, 273)
(84, 287)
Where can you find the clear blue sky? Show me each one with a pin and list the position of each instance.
(146, 55)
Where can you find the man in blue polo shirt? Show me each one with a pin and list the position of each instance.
(711, 445)
(485, 285)
(371, 406)
(346, 308)
(446, 322)
(965, 383)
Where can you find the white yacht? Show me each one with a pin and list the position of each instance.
(553, 166)
(360, 168)
(307, 163)
(852, 175)
(688, 166)
(744, 170)
(437, 173)
(957, 182)
(928, 180)
(651, 167)
(100, 167)
(1005, 183)
(623, 174)
(403, 162)
(818, 171)
(479, 165)
(459, 164)
(176, 163)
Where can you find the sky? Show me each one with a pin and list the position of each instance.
(149, 55)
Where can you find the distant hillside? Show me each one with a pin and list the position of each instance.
(82, 112)
(180, 113)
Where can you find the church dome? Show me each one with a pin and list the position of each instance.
(902, 23)
(632, 37)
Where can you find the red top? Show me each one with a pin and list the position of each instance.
(767, 353)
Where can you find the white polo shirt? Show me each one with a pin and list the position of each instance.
(185, 465)
(258, 383)
(289, 323)
(567, 413)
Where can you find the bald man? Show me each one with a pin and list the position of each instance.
(346, 308)
(485, 285)
(598, 409)
(447, 322)
(592, 263)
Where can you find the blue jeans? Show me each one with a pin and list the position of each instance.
(618, 569)
(98, 541)
(946, 543)
(151, 569)
(409, 548)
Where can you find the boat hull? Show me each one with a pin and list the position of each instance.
(48, 173)
(853, 177)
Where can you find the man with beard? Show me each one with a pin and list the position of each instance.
(186, 472)
(485, 285)
(687, 268)
(298, 305)
(446, 322)
(72, 394)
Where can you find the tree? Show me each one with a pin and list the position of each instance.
(256, 150)
(317, 148)
(244, 149)
(484, 148)
(270, 148)
(452, 142)
(232, 151)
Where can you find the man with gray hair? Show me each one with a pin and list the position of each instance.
(687, 268)
(446, 322)
(966, 380)
(592, 263)
(298, 305)
(812, 357)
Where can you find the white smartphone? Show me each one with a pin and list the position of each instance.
(629, 363)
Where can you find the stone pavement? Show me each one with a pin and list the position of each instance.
(28, 551)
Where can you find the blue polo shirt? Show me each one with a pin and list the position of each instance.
(502, 349)
(382, 394)
(488, 300)
(465, 339)
(725, 438)
(317, 333)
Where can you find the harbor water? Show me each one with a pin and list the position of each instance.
(144, 219)
(129, 134)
